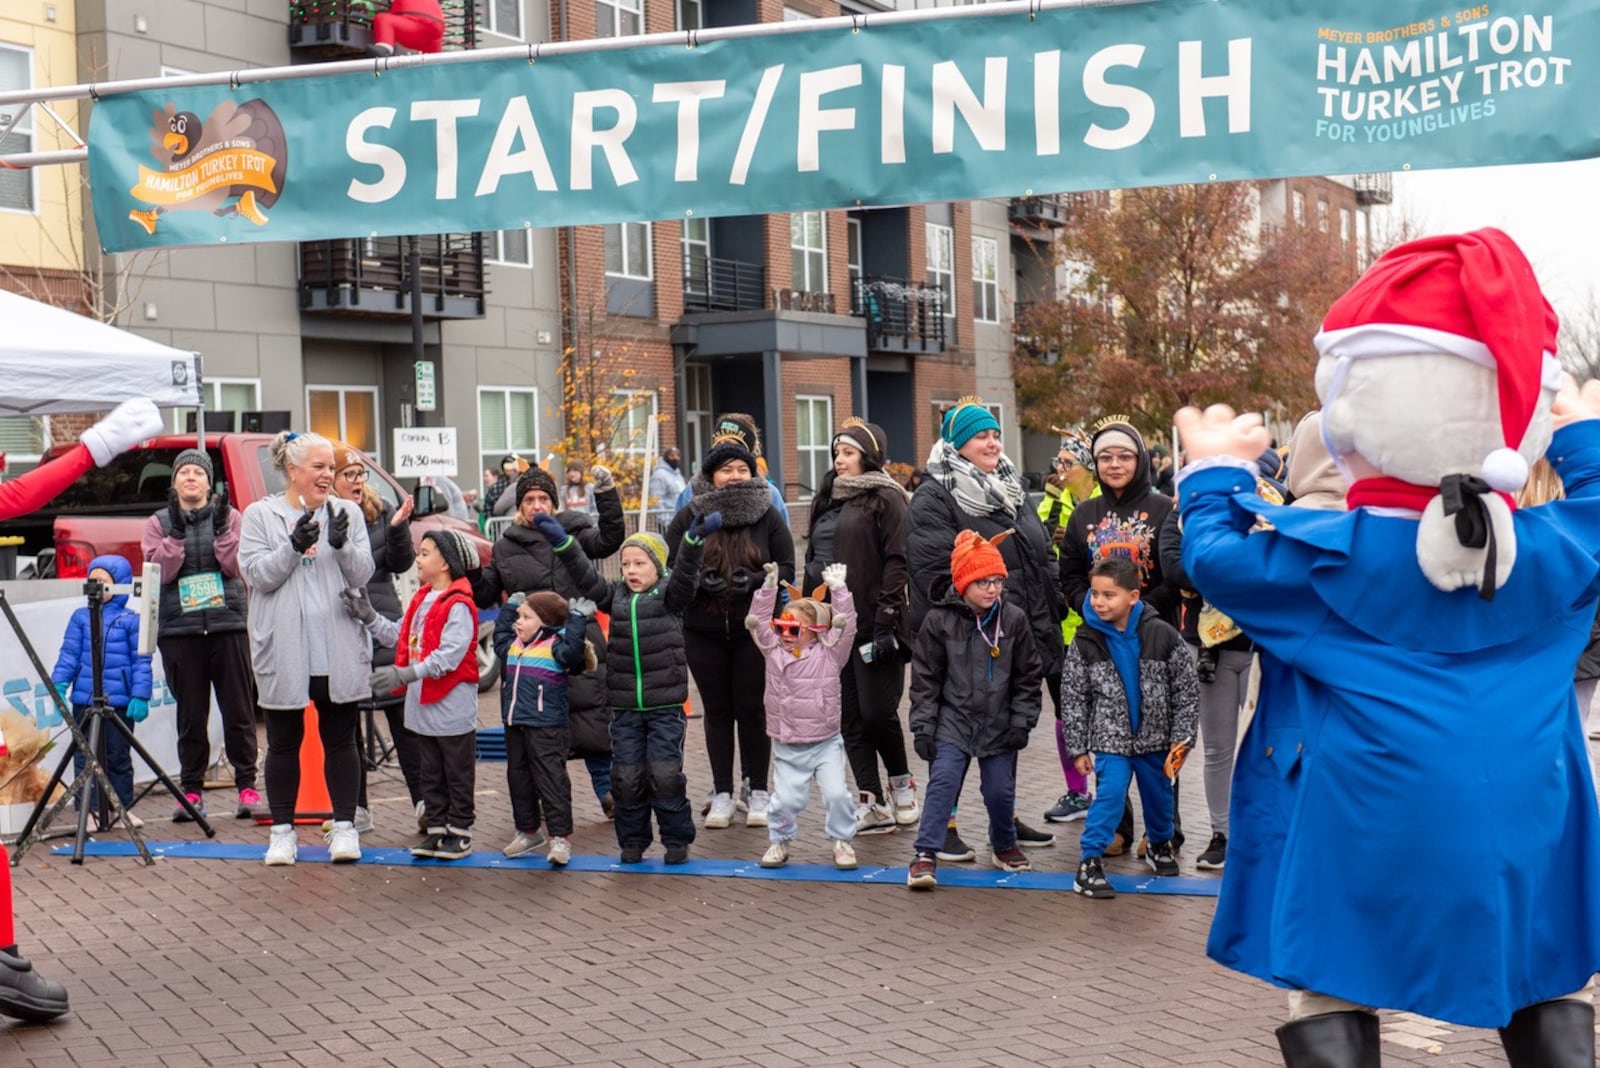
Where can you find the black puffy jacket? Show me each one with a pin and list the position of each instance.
(936, 518)
(722, 611)
(393, 552)
(647, 668)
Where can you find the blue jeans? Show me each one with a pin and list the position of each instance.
(119, 758)
(1112, 773)
(646, 774)
(997, 777)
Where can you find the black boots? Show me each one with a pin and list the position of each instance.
(1550, 1034)
(1331, 1040)
(27, 995)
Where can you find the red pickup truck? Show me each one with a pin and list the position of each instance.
(104, 512)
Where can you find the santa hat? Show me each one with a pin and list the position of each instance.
(1469, 295)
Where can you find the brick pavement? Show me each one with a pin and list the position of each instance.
(203, 963)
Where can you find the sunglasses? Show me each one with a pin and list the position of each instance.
(790, 628)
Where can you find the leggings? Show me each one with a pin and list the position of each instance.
(1077, 782)
(870, 721)
(341, 759)
(1221, 702)
(732, 680)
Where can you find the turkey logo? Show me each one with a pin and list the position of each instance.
(231, 164)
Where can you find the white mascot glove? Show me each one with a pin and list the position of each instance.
(130, 423)
(833, 576)
(771, 581)
(604, 482)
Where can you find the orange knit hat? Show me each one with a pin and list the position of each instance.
(974, 558)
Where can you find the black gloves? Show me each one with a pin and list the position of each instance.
(1014, 738)
(306, 532)
(220, 511)
(339, 528)
(924, 745)
(885, 647)
(175, 517)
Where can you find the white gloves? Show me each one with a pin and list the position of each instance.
(129, 423)
(583, 606)
(771, 582)
(833, 576)
(603, 481)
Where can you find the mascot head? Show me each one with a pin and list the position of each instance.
(1437, 372)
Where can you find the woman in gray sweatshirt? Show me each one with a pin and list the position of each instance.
(298, 550)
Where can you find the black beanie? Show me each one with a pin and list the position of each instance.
(869, 438)
(459, 554)
(741, 424)
(725, 450)
(537, 478)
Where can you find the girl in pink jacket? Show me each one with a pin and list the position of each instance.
(805, 650)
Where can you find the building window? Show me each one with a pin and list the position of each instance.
(852, 251)
(504, 17)
(508, 421)
(1344, 225)
(941, 250)
(690, 15)
(1322, 215)
(696, 255)
(633, 424)
(696, 415)
(985, 280)
(24, 438)
(813, 440)
(236, 395)
(808, 246)
(618, 18)
(628, 250)
(346, 413)
(174, 72)
(510, 248)
(17, 192)
(1299, 207)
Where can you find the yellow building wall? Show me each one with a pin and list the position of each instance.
(51, 237)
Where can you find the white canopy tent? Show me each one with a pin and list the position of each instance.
(54, 361)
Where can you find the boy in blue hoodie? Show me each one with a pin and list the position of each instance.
(1130, 700)
(125, 674)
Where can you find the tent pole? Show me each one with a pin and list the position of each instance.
(200, 407)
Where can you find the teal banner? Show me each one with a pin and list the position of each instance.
(990, 103)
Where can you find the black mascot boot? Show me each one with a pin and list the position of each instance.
(1331, 1040)
(1550, 1034)
(27, 995)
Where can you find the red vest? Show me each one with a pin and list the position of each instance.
(433, 690)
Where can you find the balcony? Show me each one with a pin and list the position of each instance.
(716, 285)
(370, 276)
(342, 29)
(901, 316)
(1045, 212)
(1374, 189)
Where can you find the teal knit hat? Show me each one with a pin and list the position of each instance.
(968, 418)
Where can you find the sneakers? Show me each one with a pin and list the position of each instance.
(632, 855)
(454, 847)
(1161, 858)
(676, 854)
(776, 856)
(873, 818)
(1091, 880)
(1216, 854)
(249, 801)
(282, 847)
(742, 801)
(923, 873)
(954, 849)
(344, 842)
(844, 855)
(1028, 838)
(429, 846)
(903, 798)
(560, 852)
(1071, 806)
(525, 843)
(720, 814)
(363, 820)
(181, 814)
(1118, 846)
(1013, 859)
(756, 808)
(422, 818)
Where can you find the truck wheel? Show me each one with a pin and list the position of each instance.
(488, 663)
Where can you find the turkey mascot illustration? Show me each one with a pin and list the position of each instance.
(1430, 784)
(238, 151)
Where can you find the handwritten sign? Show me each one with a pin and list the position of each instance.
(425, 450)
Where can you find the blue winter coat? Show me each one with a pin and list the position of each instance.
(1441, 851)
(126, 674)
(533, 692)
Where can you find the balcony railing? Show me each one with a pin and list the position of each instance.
(901, 316)
(338, 29)
(1047, 210)
(715, 285)
(1375, 188)
(370, 276)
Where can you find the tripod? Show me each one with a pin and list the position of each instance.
(89, 738)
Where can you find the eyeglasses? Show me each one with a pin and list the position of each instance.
(1121, 457)
(995, 583)
(355, 476)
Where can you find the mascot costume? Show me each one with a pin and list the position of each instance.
(24, 993)
(1417, 758)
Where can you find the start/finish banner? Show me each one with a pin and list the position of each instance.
(995, 102)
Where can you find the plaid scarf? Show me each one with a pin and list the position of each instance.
(998, 493)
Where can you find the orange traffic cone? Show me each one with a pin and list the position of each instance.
(312, 805)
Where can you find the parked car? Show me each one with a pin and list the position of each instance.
(104, 511)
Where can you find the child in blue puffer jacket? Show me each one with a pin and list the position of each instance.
(540, 640)
(125, 674)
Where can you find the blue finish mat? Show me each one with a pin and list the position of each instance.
(949, 876)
